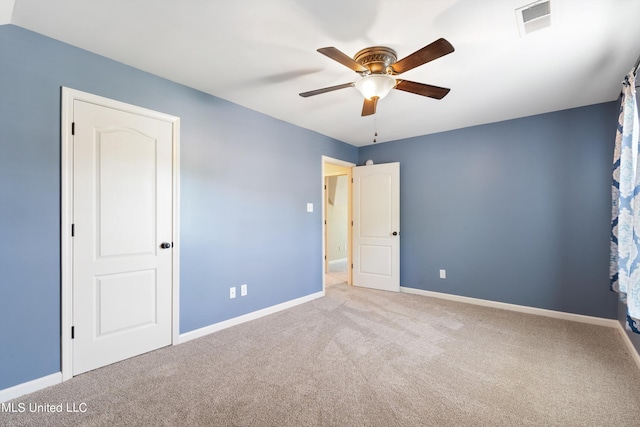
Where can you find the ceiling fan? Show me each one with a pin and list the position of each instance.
(377, 67)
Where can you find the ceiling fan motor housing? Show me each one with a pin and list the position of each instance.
(377, 59)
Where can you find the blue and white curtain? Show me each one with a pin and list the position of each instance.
(625, 212)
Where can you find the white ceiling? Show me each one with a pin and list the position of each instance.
(262, 53)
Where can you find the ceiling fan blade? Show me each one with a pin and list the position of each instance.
(369, 106)
(422, 89)
(342, 58)
(435, 50)
(325, 90)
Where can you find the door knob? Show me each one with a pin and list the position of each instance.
(165, 245)
(395, 233)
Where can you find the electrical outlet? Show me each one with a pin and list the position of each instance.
(443, 274)
(232, 292)
(243, 290)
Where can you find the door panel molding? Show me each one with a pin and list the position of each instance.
(68, 98)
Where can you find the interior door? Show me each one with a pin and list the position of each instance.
(376, 226)
(122, 221)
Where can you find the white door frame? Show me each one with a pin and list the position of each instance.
(331, 160)
(66, 255)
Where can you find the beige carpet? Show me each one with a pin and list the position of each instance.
(365, 358)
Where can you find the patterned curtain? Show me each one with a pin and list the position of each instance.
(625, 211)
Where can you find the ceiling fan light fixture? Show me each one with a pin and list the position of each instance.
(375, 85)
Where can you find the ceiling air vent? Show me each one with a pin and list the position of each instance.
(534, 17)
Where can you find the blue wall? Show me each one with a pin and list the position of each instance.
(516, 211)
(245, 182)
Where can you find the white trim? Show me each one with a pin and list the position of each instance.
(337, 162)
(600, 321)
(68, 96)
(66, 214)
(198, 333)
(176, 233)
(53, 379)
(632, 349)
(591, 320)
(30, 387)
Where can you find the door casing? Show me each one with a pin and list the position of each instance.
(68, 98)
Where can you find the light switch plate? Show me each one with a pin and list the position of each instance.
(309, 207)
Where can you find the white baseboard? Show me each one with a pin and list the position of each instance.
(601, 321)
(53, 379)
(630, 346)
(192, 335)
(337, 261)
(30, 387)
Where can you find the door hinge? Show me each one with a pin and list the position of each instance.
(73, 230)
(352, 266)
(73, 332)
(325, 257)
(325, 187)
(73, 128)
(352, 223)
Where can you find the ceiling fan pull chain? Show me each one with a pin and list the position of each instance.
(375, 129)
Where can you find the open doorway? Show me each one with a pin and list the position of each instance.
(336, 222)
(336, 237)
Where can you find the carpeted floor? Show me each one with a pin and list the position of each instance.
(336, 278)
(359, 357)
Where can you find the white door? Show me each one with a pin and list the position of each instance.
(122, 221)
(376, 226)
